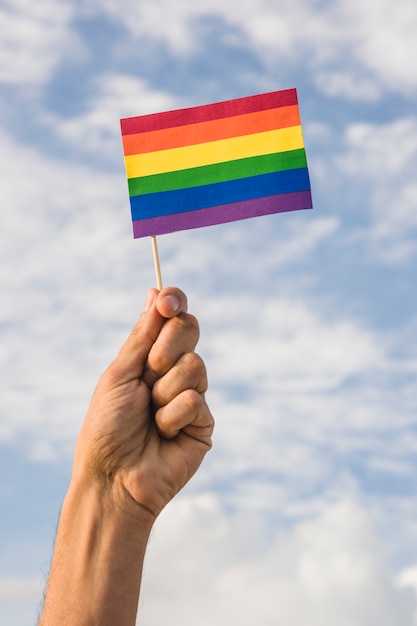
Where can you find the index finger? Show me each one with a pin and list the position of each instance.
(177, 337)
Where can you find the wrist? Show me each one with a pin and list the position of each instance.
(109, 502)
(88, 481)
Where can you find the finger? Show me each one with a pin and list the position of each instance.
(188, 373)
(178, 336)
(132, 357)
(186, 412)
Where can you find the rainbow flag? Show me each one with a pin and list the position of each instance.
(215, 163)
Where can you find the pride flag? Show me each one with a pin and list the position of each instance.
(215, 163)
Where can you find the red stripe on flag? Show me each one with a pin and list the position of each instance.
(205, 113)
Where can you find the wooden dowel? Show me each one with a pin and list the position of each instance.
(156, 263)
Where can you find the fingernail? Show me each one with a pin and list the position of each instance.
(173, 303)
(150, 297)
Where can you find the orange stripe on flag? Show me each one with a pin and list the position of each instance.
(225, 128)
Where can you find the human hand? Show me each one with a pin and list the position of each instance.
(148, 426)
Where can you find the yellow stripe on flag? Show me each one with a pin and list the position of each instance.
(220, 151)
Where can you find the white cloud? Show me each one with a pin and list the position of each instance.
(362, 49)
(384, 158)
(20, 599)
(286, 241)
(376, 44)
(34, 37)
(381, 150)
(386, 40)
(408, 580)
(203, 565)
(17, 589)
(352, 49)
(347, 84)
(163, 22)
(285, 342)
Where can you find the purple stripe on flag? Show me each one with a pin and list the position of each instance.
(223, 213)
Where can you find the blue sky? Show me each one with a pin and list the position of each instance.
(306, 508)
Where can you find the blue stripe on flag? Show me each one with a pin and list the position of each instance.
(206, 196)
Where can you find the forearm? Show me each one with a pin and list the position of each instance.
(97, 566)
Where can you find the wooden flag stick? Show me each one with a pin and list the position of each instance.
(156, 263)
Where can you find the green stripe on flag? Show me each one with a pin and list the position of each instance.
(218, 173)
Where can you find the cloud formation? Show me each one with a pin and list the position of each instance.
(327, 569)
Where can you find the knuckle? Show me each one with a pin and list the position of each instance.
(164, 424)
(188, 323)
(191, 401)
(192, 362)
(196, 407)
(194, 369)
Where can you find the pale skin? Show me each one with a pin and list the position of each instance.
(146, 432)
